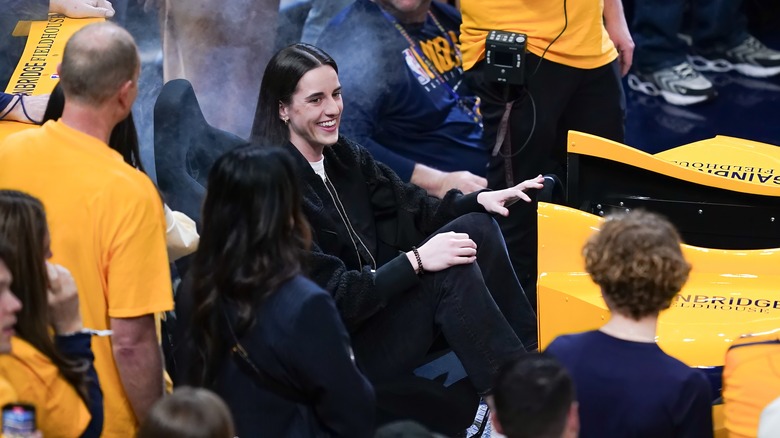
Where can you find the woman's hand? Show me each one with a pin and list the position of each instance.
(444, 250)
(498, 201)
(63, 299)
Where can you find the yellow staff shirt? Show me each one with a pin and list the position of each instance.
(584, 44)
(107, 227)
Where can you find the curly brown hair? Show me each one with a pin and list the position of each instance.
(637, 261)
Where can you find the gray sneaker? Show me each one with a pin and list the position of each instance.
(750, 58)
(678, 85)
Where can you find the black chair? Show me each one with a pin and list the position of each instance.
(185, 147)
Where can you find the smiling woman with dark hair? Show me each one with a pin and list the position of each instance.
(253, 329)
(403, 267)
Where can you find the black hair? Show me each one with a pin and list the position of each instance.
(533, 396)
(254, 238)
(280, 80)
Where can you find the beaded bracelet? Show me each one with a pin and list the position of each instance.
(419, 270)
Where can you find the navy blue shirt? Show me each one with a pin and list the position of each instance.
(298, 339)
(633, 389)
(392, 105)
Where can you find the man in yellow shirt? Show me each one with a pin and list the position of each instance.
(105, 218)
(578, 50)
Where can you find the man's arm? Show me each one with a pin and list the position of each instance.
(438, 183)
(617, 28)
(25, 109)
(139, 361)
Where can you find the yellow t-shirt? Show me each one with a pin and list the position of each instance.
(751, 380)
(59, 411)
(107, 227)
(584, 44)
(7, 392)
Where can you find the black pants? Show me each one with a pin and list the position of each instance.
(565, 98)
(479, 308)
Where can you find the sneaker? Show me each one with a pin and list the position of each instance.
(750, 58)
(678, 85)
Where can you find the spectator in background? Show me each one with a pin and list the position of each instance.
(252, 328)
(626, 385)
(534, 397)
(577, 51)
(105, 217)
(56, 375)
(395, 299)
(404, 92)
(188, 413)
(720, 40)
(222, 49)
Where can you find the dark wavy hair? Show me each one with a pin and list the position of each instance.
(23, 226)
(637, 261)
(254, 238)
(124, 137)
(280, 80)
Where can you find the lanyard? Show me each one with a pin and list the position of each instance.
(473, 113)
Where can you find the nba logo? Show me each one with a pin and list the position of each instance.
(55, 76)
(415, 67)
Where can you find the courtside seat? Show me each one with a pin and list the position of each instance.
(185, 147)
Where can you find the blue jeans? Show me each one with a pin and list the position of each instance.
(716, 25)
(480, 309)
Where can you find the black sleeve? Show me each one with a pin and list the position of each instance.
(427, 213)
(79, 347)
(323, 364)
(360, 294)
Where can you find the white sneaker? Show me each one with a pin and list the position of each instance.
(678, 85)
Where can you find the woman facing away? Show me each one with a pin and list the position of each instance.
(626, 385)
(403, 267)
(56, 375)
(252, 328)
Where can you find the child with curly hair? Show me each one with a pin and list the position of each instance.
(626, 385)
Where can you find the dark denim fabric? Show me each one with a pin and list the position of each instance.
(716, 25)
(479, 309)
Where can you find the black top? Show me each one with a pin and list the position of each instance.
(388, 215)
(299, 340)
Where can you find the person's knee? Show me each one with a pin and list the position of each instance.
(480, 226)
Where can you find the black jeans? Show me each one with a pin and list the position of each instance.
(479, 308)
(565, 98)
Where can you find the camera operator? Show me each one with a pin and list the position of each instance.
(577, 53)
